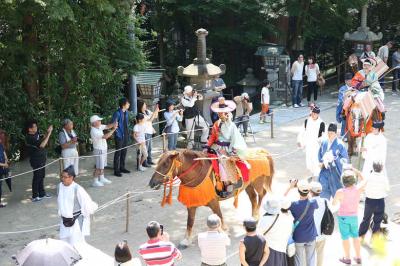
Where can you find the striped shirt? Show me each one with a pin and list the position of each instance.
(159, 253)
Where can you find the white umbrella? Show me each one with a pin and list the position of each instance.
(47, 252)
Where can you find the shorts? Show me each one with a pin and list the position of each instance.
(348, 227)
(264, 108)
(101, 158)
(142, 151)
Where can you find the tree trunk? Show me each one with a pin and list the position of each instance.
(304, 6)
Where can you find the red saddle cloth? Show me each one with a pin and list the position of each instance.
(240, 164)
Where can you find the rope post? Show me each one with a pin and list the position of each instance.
(60, 163)
(272, 125)
(127, 212)
(164, 141)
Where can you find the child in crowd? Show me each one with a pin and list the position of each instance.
(172, 126)
(139, 131)
(264, 101)
(315, 190)
(376, 190)
(349, 198)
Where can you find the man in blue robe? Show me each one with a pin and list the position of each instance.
(340, 118)
(332, 154)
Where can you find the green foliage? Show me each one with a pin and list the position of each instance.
(63, 58)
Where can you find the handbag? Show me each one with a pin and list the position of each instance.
(291, 247)
(320, 80)
(167, 129)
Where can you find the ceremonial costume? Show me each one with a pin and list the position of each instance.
(332, 154)
(340, 117)
(375, 146)
(74, 201)
(225, 138)
(310, 138)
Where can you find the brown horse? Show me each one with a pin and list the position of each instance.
(197, 188)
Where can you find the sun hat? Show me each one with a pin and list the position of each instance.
(316, 187)
(285, 203)
(188, 89)
(95, 118)
(226, 107)
(272, 205)
(303, 186)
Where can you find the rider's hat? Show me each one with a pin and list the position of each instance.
(225, 107)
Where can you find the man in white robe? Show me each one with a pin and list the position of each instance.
(310, 138)
(375, 147)
(74, 208)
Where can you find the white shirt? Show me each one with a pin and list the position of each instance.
(96, 134)
(149, 127)
(297, 70)
(277, 238)
(312, 73)
(377, 186)
(188, 101)
(265, 95)
(376, 146)
(140, 129)
(212, 246)
(383, 52)
(318, 214)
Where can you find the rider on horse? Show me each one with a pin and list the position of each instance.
(226, 140)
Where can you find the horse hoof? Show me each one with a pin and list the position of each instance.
(185, 243)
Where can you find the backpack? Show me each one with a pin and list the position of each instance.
(328, 222)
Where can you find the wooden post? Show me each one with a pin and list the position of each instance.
(127, 212)
(164, 141)
(272, 125)
(60, 163)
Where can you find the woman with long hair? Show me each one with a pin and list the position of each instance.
(312, 72)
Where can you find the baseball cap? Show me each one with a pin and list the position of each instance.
(316, 187)
(187, 89)
(95, 118)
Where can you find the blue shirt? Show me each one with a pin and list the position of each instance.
(306, 230)
(123, 124)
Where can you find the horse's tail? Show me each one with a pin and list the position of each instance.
(268, 181)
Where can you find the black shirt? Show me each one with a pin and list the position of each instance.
(255, 246)
(34, 150)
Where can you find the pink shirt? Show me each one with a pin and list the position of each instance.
(349, 203)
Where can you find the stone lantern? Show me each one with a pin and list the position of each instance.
(201, 74)
(362, 35)
(249, 83)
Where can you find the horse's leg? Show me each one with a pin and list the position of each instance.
(189, 227)
(215, 207)
(253, 199)
(261, 191)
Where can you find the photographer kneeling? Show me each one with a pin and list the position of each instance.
(243, 109)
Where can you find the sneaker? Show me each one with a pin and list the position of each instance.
(97, 183)
(141, 168)
(37, 199)
(357, 260)
(394, 93)
(2, 205)
(301, 105)
(345, 261)
(261, 122)
(125, 171)
(105, 180)
(46, 196)
(296, 106)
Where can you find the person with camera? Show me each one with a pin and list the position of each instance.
(158, 250)
(74, 208)
(36, 145)
(243, 109)
(69, 141)
(172, 127)
(192, 116)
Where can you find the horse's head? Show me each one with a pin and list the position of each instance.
(163, 167)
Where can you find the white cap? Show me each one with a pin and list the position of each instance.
(245, 95)
(316, 187)
(188, 89)
(95, 118)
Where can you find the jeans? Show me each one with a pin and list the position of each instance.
(172, 140)
(119, 155)
(375, 207)
(312, 89)
(242, 120)
(297, 93)
(149, 146)
(396, 77)
(343, 128)
(305, 252)
(38, 177)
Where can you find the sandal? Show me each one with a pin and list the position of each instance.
(345, 261)
(357, 260)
